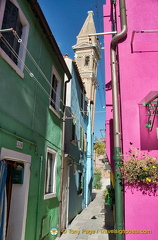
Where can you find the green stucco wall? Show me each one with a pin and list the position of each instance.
(25, 116)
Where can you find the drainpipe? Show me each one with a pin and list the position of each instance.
(119, 214)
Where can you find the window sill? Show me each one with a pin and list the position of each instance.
(50, 195)
(54, 111)
(11, 63)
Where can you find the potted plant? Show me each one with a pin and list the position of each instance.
(109, 196)
(139, 167)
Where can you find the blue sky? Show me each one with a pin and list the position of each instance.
(65, 18)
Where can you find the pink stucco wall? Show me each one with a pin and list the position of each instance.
(138, 73)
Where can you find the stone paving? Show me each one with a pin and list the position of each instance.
(92, 223)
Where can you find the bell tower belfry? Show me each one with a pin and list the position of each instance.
(87, 54)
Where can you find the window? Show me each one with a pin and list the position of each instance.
(50, 174)
(12, 50)
(87, 58)
(55, 92)
(73, 130)
(82, 102)
(80, 183)
(11, 19)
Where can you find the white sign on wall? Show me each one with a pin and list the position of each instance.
(19, 144)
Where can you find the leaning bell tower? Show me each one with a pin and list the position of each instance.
(87, 54)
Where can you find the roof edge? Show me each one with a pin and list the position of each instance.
(46, 29)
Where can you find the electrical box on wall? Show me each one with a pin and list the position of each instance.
(18, 175)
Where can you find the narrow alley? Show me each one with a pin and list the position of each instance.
(93, 222)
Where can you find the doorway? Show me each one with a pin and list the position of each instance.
(17, 187)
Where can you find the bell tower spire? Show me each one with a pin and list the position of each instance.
(87, 54)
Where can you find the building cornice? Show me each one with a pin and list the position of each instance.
(85, 46)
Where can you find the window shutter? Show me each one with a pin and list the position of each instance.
(85, 142)
(81, 138)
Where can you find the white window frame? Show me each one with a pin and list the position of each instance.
(25, 32)
(58, 93)
(53, 177)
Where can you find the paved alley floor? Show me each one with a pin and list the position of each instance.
(92, 223)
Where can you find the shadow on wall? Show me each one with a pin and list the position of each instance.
(146, 189)
(148, 137)
(93, 195)
(109, 221)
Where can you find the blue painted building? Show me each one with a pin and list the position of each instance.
(89, 167)
(75, 153)
(87, 54)
(77, 176)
